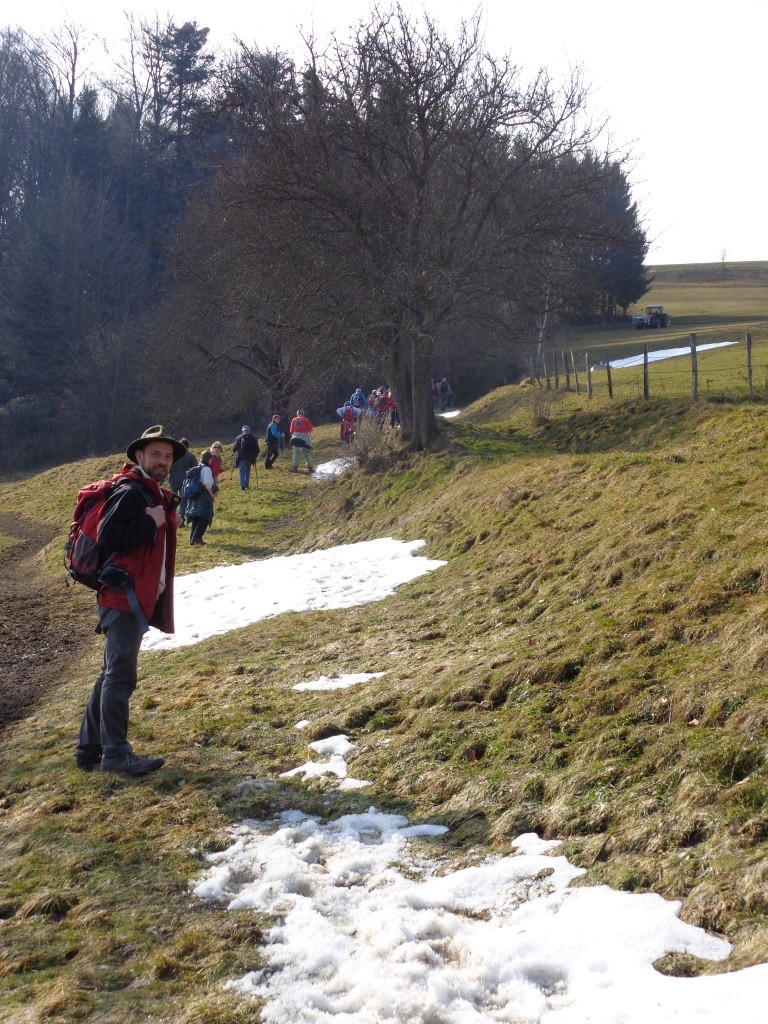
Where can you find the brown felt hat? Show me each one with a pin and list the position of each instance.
(156, 433)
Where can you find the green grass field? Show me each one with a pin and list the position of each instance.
(591, 664)
(716, 302)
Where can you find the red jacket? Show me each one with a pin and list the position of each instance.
(301, 425)
(137, 546)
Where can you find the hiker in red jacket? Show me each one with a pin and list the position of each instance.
(301, 441)
(138, 531)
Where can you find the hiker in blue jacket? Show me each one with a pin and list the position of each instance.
(272, 440)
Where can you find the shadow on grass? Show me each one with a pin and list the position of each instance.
(492, 444)
(264, 799)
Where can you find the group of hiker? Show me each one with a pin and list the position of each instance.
(442, 394)
(138, 523)
(378, 406)
(196, 481)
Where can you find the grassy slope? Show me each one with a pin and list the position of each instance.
(592, 664)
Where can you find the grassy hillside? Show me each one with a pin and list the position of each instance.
(591, 664)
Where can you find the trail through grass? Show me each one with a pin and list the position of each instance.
(591, 664)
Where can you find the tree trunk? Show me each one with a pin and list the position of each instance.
(409, 367)
(399, 380)
(424, 430)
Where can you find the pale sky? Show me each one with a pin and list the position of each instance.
(682, 83)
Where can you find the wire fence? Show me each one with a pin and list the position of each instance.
(710, 370)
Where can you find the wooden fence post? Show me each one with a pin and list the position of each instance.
(646, 390)
(589, 375)
(749, 364)
(575, 373)
(566, 374)
(695, 368)
(610, 382)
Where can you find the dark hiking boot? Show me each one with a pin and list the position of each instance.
(87, 760)
(131, 764)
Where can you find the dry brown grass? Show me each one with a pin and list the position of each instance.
(591, 664)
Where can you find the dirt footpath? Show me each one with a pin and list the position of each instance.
(42, 629)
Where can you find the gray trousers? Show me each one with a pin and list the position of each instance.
(296, 452)
(104, 728)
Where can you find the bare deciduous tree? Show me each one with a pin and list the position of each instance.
(408, 188)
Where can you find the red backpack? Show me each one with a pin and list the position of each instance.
(85, 560)
(84, 557)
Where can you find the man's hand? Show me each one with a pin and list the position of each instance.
(157, 514)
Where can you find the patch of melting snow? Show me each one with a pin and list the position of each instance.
(333, 468)
(369, 928)
(229, 597)
(655, 357)
(335, 748)
(338, 682)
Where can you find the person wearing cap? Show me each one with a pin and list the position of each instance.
(246, 449)
(138, 533)
(301, 440)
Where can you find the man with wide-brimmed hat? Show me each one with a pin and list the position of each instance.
(138, 534)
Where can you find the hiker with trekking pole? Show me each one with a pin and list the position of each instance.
(246, 449)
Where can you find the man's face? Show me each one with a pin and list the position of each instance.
(156, 459)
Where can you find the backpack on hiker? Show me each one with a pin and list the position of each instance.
(84, 557)
(192, 485)
(247, 449)
(85, 560)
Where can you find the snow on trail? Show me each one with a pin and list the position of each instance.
(230, 597)
(367, 929)
(333, 468)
